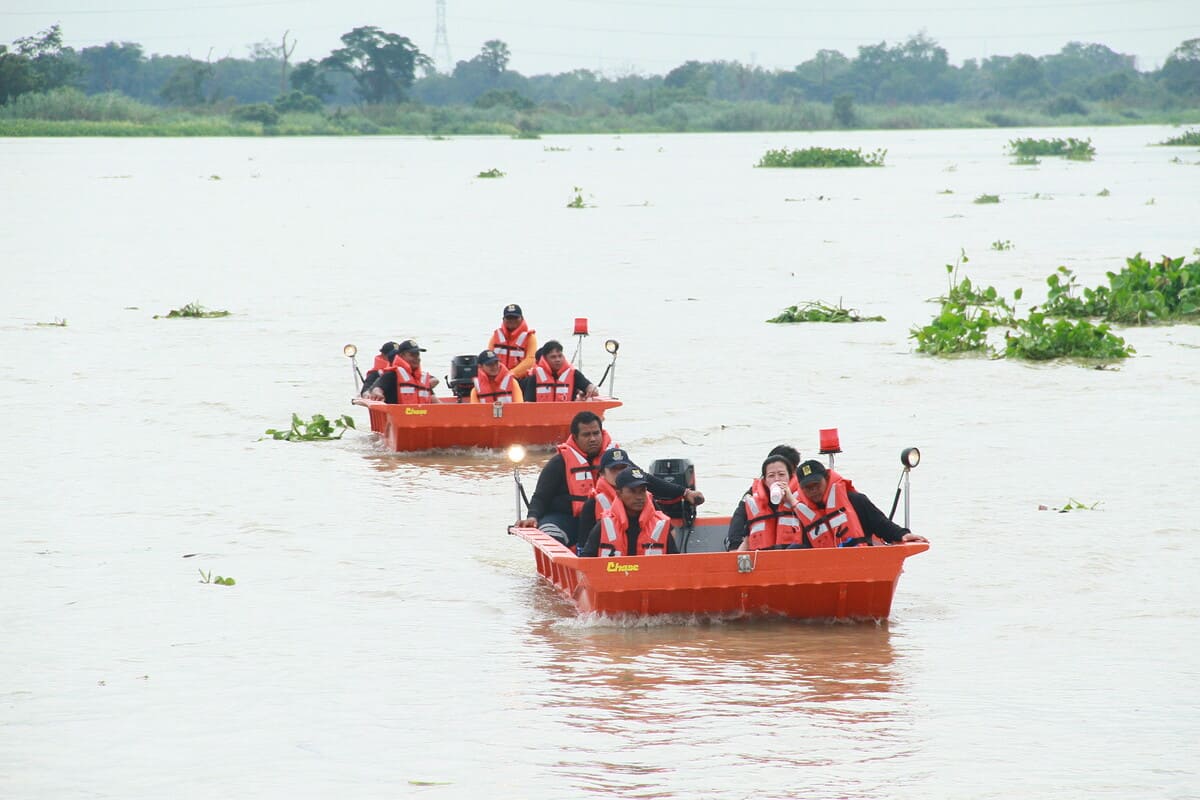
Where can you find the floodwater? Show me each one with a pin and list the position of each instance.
(386, 639)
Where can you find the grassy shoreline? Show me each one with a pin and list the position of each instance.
(70, 114)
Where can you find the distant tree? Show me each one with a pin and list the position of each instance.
(504, 97)
(308, 77)
(111, 67)
(186, 86)
(843, 111)
(494, 56)
(298, 101)
(382, 64)
(50, 64)
(16, 77)
(690, 76)
(1021, 77)
(1181, 72)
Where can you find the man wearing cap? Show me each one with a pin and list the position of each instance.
(632, 526)
(413, 384)
(832, 514)
(612, 463)
(514, 342)
(555, 379)
(567, 480)
(493, 382)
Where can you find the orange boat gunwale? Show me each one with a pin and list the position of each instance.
(828, 583)
(448, 423)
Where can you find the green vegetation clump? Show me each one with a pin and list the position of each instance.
(822, 157)
(491, 173)
(817, 311)
(317, 429)
(1071, 148)
(1142, 293)
(577, 200)
(1185, 139)
(969, 313)
(1001, 245)
(1026, 161)
(58, 323)
(1103, 193)
(193, 310)
(984, 199)
(206, 577)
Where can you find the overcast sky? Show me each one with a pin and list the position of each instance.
(622, 36)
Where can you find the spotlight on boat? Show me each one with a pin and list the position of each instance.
(612, 346)
(349, 351)
(516, 454)
(910, 457)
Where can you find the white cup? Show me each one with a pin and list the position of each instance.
(776, 493)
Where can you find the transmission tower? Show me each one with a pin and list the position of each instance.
(441, 44)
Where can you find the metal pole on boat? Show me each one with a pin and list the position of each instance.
(516, 454)
(611, 347)
(910, 457)
(350, 351)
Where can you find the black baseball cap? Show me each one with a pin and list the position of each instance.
(487, 357)
(613, 457)
(631, 477)
(407, 345)
(513, 310)
(388, 348)
(811, 472)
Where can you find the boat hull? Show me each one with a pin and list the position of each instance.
(830, 583)
(449, 424)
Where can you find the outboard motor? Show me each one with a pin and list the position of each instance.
(462, 376)
(680, 472)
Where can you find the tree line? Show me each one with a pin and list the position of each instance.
(376, 67)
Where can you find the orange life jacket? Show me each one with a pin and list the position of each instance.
(581, 471)
(499, 390)
(412, 385)
(381, 362)
(769, 526)
(834, 523)
(605, 496)
(655, 529)
(510, 345)
(549, 388)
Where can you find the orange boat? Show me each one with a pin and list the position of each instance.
(449, 423)
(828, 583)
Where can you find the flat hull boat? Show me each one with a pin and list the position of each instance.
(449, 423)
(849, 583)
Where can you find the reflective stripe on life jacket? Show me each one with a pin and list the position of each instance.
(510, 345)
(581, 471)
(835, 523)
(769, 526)
(412, 385)
(549, 388)
(499, 390)
(654, 530)
(605, 495)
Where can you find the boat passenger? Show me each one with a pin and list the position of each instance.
(567, 480)
(514, 342)
(632, 526)
(769, 519)
(383, 360)
(832, 514)
(612, 463)
(555, 379)
(413, 384)
(493, 382)
(737, 520)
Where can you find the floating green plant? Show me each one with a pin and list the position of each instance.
(206, 577)
(1103, 193)
(1027, 161)
(577, 201)
(1037, 339)
(817, 311)
(1070, 148)
(58, 323)
(317, 429)
(192, 311)
(553, 149)
(986, 198)
(1002, 244)
(491, 173)
(822, 157)
(1071, 505)
(946, 191)
(1186, 139)
(1142, 293)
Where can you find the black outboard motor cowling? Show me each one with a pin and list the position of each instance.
(680, 472)
(462, 376)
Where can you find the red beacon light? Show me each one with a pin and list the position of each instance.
(829, 441)
(581, 326)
